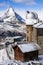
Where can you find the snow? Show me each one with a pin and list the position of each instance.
(10, 11)
(11, 39)
(9, 15)
(10, 52)
(6, 27)
(40, 59)
(1, 26)
(35, 62)
(38, 25)
(9, 62)
(3, 55)
(28, 47)
(2, 43)
(15, 37)
(11, 18)
(31, 21)
(13, 27)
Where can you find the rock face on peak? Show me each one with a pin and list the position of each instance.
(10, 12)
(9, 15)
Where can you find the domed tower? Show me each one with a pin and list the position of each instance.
(31, 19)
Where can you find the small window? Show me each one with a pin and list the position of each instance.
(40, 32)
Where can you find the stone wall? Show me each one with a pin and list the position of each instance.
(38, 39)
(29, 33)
(34, 35)
(40, 42)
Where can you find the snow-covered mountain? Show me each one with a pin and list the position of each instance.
(13, 22)
(11, 16)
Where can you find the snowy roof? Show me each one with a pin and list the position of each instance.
(15, 37)
(31, 21)
(38, 25)
(28, 47)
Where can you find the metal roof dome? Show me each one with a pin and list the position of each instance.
(31, 18)
(32, 15)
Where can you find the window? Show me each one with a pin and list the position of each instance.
(40, 32)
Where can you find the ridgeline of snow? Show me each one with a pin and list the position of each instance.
(9, 15)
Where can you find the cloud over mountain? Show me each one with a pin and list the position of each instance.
(30, 2)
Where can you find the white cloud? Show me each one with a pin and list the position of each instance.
(40, 14)
(30, 2)
(2, 4)
(18, 0)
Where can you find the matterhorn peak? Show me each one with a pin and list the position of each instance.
(11, 16)
(10, 12)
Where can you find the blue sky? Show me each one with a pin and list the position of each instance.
(22, 4)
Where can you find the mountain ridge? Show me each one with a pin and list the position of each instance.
(11, 16)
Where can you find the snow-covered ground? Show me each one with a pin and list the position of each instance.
(3, 55)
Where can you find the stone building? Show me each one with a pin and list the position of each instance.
(39, 35)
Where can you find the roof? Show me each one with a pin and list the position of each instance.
(38, 25)
(28, 47)
(15, 37)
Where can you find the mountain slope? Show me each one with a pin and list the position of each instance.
(11, 16)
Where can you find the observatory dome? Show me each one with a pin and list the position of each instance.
(32, 15)
(31, 18)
